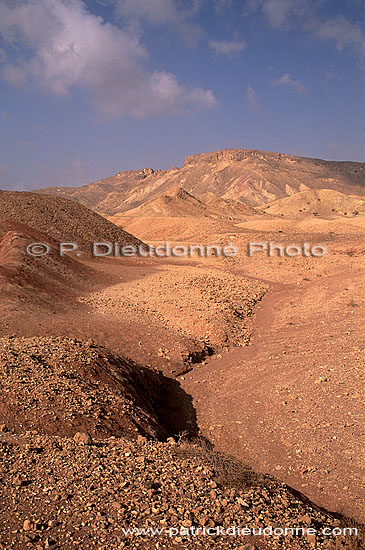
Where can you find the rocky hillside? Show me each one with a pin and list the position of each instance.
(61, 493)
(180, 203)
(62, 386)
(253, 177)
(61, 219)
(175, 202)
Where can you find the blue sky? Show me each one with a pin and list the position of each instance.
(92, 87)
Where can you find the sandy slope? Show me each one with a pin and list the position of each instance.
(173, 228)
(325, 203)
(341, 226)
(46, 281)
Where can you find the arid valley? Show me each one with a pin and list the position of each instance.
(145, 392)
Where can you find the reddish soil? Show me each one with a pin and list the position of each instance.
(289, 404)
(63, 493)
(61, 219)
(269, 353)
(61, 386)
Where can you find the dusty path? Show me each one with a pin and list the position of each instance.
(290, 403)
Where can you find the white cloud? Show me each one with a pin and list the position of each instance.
(286, 80)
(342, 31)
(163, 12)
(70, 47)
(228, 48)
(252, 100)
(278, 13)
(283, 14)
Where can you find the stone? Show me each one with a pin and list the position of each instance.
(82, 438)
(27, 525)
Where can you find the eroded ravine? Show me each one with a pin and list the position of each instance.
(289, 404)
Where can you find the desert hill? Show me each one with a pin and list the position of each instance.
(61, 219)
(45, 281)
(180, 203)
(177, 213)
(176, 202)
(226, 207)
(325, 203)
(253, 177)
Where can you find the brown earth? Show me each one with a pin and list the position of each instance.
(261, 357)
(168, 316)
(64, 494)
(61, 386)
(61, 219)
(44, 280)
(290, 404)
(160, 228)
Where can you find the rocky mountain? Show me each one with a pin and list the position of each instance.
(253, 177)
(178, 213)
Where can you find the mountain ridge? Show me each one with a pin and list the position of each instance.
(250, 176)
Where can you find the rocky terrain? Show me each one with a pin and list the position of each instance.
(61, 219)
(61, 386)
(252, 177)
(200, 311)
(193, 392)
(73, 493)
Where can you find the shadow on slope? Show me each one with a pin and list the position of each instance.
(59, 386)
